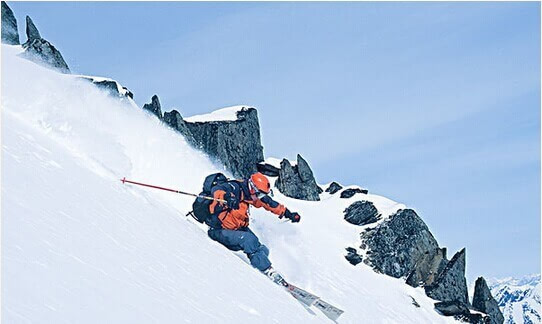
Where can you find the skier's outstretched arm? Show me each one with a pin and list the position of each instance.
(278, 209)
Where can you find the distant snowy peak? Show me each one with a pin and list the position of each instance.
(224, 114)
(529, 280)
(518, 298)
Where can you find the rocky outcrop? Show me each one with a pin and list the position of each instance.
(451, 308)
(484, 302)
(237, 144)
(350, 192)
(428, 268)
(352, 256)
(461, 312)
(41, 51)
(174, 120)
(451, 284)
(297, 181)
(333, 188)
(111, 86)
(394, 246)
(268, 169)
(10, 33)
(154, 107)
(361, 213)
(32, 32)
(108, 85)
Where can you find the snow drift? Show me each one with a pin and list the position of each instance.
(79, 246)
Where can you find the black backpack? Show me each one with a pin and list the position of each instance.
(200, 207)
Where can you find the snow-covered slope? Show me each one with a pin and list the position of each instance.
(519, 299)
(78, 246)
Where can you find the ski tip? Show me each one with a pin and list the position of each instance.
(123, 180)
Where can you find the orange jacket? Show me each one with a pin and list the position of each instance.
(235, 218)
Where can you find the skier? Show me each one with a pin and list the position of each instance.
(230, 220)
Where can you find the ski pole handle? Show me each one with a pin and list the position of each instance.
(123, 180)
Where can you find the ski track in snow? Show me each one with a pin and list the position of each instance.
(78, 246)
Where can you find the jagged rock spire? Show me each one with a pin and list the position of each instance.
(10, 34)
(297, 181)
(32, 32)
(451, 284)
(154, 107)
(484, 302)
(42, 51)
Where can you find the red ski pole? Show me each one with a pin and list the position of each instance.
(172, 190)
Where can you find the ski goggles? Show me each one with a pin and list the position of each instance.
(259, 194)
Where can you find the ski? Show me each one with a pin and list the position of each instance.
(301, 295)
(308, 299)
(329, 310)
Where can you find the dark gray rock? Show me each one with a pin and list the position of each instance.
(319, 189)
(10, 33)
(451, 308)
(129, 93)
(451, 284)
(484, 302)
(349, 193)
(176, 121)
(461, 312)
(268, 169)
(109, 86)
(352, 256)
(474, 318)
(427, 269)
(41, 51)
(395, 245)
(414, 302)
(32, 32)
(361, 213)
(333, 187)
(297, 181)
(154, 107)
(237, 144)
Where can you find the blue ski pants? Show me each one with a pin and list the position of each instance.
(244, 240)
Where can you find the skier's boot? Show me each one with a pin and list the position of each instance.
(275, 276)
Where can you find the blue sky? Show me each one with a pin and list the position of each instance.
(436, 105)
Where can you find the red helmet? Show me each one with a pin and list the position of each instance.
(260, 182)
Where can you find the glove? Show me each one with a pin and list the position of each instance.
(232, 201)
(294, 217)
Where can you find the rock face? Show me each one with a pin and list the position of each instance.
(352, 256)
(154, 107)
(484, 302)
(32, 32)
(333, 187)
(461, 312)
(110, 86)
(176, 121)
(268, 169)
(10, 34)
(297, 181)
(237, 144)
(450, 308)
(451, 284)
(41, 51)
(128, 93)
(361, 213)
(428, 268)
(349, 193)
(395, 245)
